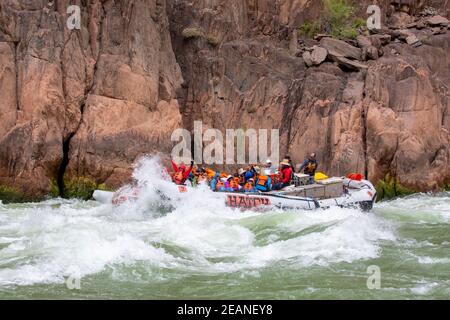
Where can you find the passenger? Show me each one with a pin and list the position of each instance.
(202, 178)
(249, 173)
(263, 183)
(286, 175)
(309, 167)
(269, 169)
(181, 174)
(237, 179)
(232, 185)
(249, 187)
(288, 157)
(241, 173)
(217, 183)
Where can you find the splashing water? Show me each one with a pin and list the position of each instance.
(172, 245)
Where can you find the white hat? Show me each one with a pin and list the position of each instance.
(229, 177)
(268, 161)
(241, 171)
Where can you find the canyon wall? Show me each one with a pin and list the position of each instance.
(89, 102)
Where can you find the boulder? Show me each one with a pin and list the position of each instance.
(340, 48)
(318, 55)
(438, 21)
(307, 58)
(368, 50)
(400, 20)
(350, 64)
(384, 39)
(412, 40)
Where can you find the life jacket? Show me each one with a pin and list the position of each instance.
(219, 184)
(355, 176)
(276, 177)
(249, 186)
(263, 183)
(311, 167)
(234, 184)
(178, 177)
(210, 173)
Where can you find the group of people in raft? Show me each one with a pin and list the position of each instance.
(250, 180)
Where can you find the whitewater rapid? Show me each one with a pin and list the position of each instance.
(43, 244)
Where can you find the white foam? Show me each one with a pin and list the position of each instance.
(49, 241)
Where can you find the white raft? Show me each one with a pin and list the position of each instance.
(354, 194)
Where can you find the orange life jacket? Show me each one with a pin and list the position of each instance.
(248, 186)
(234, 184)
(262, 180)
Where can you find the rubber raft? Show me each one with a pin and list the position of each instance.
(354, 194)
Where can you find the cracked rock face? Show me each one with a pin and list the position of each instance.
(107, 90)
(117, 88)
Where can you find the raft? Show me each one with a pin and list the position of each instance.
(332, 192)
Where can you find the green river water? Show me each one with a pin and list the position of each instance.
(206, 254)
(200, 249)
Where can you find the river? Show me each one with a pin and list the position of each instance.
(200, 249)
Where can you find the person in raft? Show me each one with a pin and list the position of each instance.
(181, 174)
(309, 167)
(286, 175)
(263, 183)
(218, 183)
(249, 186)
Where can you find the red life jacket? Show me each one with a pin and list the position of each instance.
(355, 176)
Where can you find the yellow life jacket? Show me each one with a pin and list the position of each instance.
(311, 166)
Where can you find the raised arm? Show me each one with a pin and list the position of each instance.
(174, 166)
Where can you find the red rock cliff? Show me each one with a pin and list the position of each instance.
(89, 102)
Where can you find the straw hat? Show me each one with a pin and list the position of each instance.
(241, 171)
(285, 162)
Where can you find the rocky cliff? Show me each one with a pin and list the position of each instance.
(87, 103)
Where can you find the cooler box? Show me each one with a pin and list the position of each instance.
(333, 187)
(315, 191)
(301, 179)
